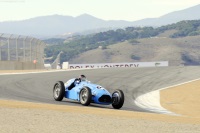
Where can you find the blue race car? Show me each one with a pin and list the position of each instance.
(85, 92)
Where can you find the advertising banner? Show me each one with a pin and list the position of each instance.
(115, 65)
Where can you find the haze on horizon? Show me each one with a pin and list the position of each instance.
(130, 10)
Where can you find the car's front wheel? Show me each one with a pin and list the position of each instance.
(117, 99)
(85, 96)
(58, 91)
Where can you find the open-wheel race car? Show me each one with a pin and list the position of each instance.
(86, 92)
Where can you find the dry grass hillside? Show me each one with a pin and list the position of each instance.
(178, 51)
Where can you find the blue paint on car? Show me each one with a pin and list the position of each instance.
(99, 94)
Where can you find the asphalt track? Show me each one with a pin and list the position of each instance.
(38, 87)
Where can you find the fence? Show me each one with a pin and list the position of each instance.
(17, 48)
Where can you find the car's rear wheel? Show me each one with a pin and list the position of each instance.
(85, 96)
(117, 99)
(58, 91)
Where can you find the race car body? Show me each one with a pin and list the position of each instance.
(86, 92)
(99, 94)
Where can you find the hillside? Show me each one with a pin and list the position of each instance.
(168, 37)
(178, 51)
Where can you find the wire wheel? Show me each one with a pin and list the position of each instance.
(58, 91)
(85, 96)
(117, 99)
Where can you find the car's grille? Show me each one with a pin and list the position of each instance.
(105, 98)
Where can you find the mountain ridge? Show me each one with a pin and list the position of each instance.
(52, 25)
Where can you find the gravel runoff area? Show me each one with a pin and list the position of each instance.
(19, 117)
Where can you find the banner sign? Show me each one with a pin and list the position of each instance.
(115, 65)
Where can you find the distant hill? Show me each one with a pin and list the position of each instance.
(173, 17)
(178, 51)
(49, 26)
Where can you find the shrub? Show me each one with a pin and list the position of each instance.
(134, 57)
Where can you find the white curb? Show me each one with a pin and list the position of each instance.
(151, 101)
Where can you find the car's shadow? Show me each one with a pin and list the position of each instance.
(93, 105)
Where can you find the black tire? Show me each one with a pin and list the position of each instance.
(58, 91)
(117, 99)
(85, 96)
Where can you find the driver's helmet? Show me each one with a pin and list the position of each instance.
(82, 77)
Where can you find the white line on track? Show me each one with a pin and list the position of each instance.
(41, 71)
(179, 84)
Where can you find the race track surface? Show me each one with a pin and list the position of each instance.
(38, 87)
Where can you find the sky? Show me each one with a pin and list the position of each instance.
(130, 10)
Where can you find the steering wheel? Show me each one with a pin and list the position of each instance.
(77, 81)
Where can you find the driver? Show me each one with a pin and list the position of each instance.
(80, 78)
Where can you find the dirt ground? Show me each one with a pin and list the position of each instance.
(23, 117)
(184, 99)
